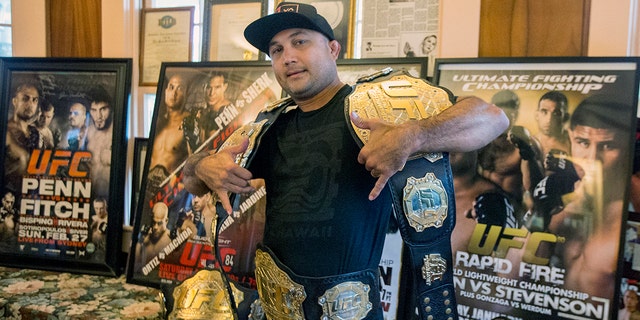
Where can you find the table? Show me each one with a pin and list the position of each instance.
(36, 294)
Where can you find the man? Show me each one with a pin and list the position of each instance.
(552, 113)
(169, 146)
(22, 136)
(99, 137)
(8, 214)
(581, 201)
(47, 137)
(99, 223)
(328, 205)
(157, 237)
(591, 221)
(77, 133)
(478, 200)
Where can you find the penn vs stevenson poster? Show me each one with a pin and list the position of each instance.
(540, 209)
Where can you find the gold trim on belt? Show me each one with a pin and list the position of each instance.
(204, 296)
(281, 298)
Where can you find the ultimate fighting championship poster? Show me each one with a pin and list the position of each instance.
(540, 210)
(198, 106)
(64, 127)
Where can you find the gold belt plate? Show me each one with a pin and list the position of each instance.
(204, 296)
(396, 99)
(281, 298)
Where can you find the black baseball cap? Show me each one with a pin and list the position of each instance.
(287, 15)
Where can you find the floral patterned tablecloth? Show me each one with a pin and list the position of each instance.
(36, 294)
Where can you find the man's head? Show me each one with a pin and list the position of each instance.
(630, 300)
(302, 48)
(8, 201)
(599, 127)
(47, 111)
(77, 114)
(552, 112)
(200, 202)
(429, 44)
(100, 109)
(215, 89)
(509, 102)
(175, 92)
(288, 15)
(25, 101)
(160, 219)
(100, 207)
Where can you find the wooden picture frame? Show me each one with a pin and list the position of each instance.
(225, 25)
(65, 173)
(177, 250)
(165, 35)
(140, 146)
(350, 70)
(580, 96)
(340, 14)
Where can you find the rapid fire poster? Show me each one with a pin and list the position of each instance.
(198, 106)
(539, 211)
(62, 129)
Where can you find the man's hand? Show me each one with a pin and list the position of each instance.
(220, 173)
(385, 153)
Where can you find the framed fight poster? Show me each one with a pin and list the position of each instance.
(62, 176)
(140, 146)
(541, 225)
(197, 108)
(350, 70)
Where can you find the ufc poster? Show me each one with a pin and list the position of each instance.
(540, 210)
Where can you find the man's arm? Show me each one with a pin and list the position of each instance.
(468, 125)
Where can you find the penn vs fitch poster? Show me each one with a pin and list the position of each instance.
(540, 209)
(64, 122)
(198, 106)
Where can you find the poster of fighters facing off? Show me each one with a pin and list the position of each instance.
(540, 210)
(64, 124)
(198, 106)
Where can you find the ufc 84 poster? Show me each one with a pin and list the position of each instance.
(540, 210)
(198, 106)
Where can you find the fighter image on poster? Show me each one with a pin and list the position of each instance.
(57, 163)
(198, 108)
(540, 209)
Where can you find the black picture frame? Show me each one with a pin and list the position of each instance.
(251, 87)
(140, 146)
(350, 70)
(598, 223)
(60, 176)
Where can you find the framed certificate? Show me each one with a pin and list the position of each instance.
(166, 35)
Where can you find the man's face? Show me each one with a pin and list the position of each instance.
(199, 202)
(174, 94)
(25, 103)
(549, 117)
(7, 201)
(100, 208)
(77, 115)
(45, 118)
(101, 114)
(159, 222)
(630, 299)
(605, 146)
(303, 61)
(214, 91)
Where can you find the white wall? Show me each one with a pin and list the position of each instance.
(29, 28)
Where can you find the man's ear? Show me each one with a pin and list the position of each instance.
(335, 47)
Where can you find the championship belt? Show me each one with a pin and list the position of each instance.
(422, 192)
